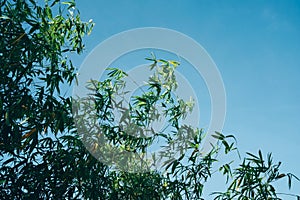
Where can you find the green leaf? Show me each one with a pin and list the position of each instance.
(175, 164)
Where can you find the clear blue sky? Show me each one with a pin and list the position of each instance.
(256, 46)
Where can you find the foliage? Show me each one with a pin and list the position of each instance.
(43, 153)
(35, 43)
(254, 179)
(184, 178)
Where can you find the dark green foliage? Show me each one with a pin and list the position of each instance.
(34, 46)
(42, 154)
(254, 179)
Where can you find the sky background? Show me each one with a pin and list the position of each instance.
(256, 47)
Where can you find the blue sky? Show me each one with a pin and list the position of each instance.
(255, 45)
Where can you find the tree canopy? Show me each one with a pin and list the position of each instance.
(46, 150)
